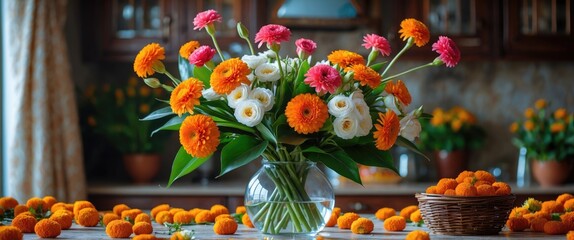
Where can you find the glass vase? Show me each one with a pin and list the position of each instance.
(290, 199)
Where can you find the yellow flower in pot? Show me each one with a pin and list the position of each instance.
(114, 112)
(548, 137)
(451, 135)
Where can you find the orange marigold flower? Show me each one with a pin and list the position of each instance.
(225, 227)
(400, 91)
(159, 208)
(345, 221)
(570, 235)
(456, 125)
(20, 209)
(10, 232)
(49, 201)
(560, 113)
(518, 212)
(568, 220)
(119, 208)
(540, 103)
(88, 217)
(144, 237)
(563, 198)
(484, 176)
(186, 49)
(25, 223)
(219, 209)
(416, 216)
(362, 226)
(345, 58)
(569, 205)
(552, 207)
(388, 127)
(240, 209)
(142, 228)
(148, 60)
(59, 205)
(37, 203)
(195, 211)
(199, 135)
(517, 224)
(513, 127)
(130, 214)
(185, 96)
(395, 223)
(205, 216)
(485, 190)
(529, 125)
(411, 27)
(63, 217)
(384, 213)
(464, 174)
(450, 192)
(108, 217)
(466, 190)
(222, 216)
(407, 211)
(431, 190)
(247, 221)
(142, 217)
(8, 203)
(228, 75)
(79, 205)
(183, 217)
(445, 184)
(537, 224)
(417, 235)
(555, 228)
(119, 229)
(332, 219)
(529, 113)
(164, 217)
(47, 228)
(557, 127)
(502, 189)
(306, 113)
(366, 75)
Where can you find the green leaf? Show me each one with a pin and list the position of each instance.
(377, 66)
(266, 133)
(403, 142)
(183, 164)
(185, 68)
(203, 74)
(162, 112)
(239, 152)
(338, 161)
(173, 124)
(369, 155)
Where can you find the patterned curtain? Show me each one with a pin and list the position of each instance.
(42, 136)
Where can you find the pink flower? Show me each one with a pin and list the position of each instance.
(306, 46)
(205, 18)
(323, 78)
(272, 33)
(378, 43)
(201, 55)
(448, 51)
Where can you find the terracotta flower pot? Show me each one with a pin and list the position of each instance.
(551, 173)
(141, 167)
(450, 164)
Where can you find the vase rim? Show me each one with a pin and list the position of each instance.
(265, 161)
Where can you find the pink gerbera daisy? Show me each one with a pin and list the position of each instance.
(272, 33)
(378, 43)
(323, 78)
(306, 46)
(448, 51)
(201, 55)
(205, 18)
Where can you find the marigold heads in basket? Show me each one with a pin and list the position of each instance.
(341, 111)
(546, 134)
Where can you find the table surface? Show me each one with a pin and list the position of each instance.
(206, 232)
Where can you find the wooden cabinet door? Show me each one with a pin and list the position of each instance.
(538, 29)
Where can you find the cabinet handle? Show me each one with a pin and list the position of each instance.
(166, 26)
(358, 206)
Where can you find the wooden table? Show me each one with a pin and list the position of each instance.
(206, 232)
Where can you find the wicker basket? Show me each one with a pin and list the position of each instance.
(452, 215)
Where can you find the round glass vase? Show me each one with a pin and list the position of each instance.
(290, 199)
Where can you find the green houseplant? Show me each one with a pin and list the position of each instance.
(114, 111)
(548, 138)
(451, 135)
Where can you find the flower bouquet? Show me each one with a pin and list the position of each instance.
(291, 111)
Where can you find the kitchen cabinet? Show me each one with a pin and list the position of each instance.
(538, 29)
(117, 29)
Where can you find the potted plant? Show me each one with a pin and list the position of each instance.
(114, 113)
(549, 141)
(451, 135)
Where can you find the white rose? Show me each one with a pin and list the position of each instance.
(238, 94)
(393, 104)
(249, 112)
(410, 126)
(251, 77)
(267, 72)
(209, 94)
(361, 108)
(268, 54)
(325, 62)
(340, 105)
(263, 96)
(253, 61)
(365, 126)
(346, 127)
